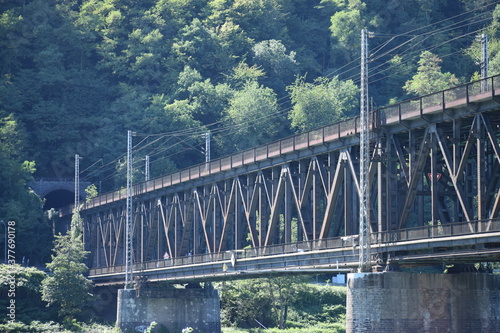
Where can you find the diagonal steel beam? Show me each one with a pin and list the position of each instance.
(333, 196)
(458, 188)
(467, 149)
(226, 213)
(415, 177)
(250, 209)
(277, 201)
(297, 204)
(492, 135)
(402, 161)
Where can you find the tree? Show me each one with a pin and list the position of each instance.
(19, 203)
(347, 23)
(308, 27)
(51, 82)
(474, 51)
(260, 19)
(91, 192)
(244, 301)
(242, 73)
(207, 100)
(322, 102)
(253, 117)
(283, 291)
(28, 296)
(279, 66)
(210, 100)
(276, 301)
(175, 151)
(202, 48)
(67, 288)
(429, 77)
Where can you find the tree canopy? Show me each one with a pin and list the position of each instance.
(322, 102)
(429, 77)
(67, 288)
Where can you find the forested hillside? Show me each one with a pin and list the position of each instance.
(77, 74)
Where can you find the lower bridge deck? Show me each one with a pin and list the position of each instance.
(431, 245)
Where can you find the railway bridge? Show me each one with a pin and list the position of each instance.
(291, 207)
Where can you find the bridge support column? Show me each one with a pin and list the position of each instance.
(176, 309)
(415, 302)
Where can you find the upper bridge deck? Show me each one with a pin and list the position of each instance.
(446, 105)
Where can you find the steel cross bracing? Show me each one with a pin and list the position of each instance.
(435, 161)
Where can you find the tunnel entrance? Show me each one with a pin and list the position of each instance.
(58, 199)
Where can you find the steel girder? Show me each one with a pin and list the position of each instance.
(433, 169)
(443, 173)
(309, 199)
(437, 174)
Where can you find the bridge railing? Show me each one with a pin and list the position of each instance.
(447, 99)
(348, 242)
(437, 231)
(419, 107)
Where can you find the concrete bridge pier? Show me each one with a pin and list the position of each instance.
(415, 302)
(176, 309)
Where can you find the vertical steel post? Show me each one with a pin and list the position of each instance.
(364, 227)
(484, 62)
(207, 147)
(433, 178)
(128, 217)
(481, 163)
(380, 206)
(146, 171)
(78, 221)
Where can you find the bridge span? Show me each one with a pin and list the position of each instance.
(292, 206)
(435, 164)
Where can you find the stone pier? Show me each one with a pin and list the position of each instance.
(417, 303)
(198, 308)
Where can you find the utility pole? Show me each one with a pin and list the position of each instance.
(207, 151)
(484, 61)
(128, 217)
(207, 147)
(77, 183)
(146, 173)
(364, 191)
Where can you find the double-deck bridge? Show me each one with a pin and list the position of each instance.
(292, 206)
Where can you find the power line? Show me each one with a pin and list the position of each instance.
(477, 19)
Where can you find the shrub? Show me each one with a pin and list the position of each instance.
(34, 327)
(28, 294)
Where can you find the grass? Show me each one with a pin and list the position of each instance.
(326, 328)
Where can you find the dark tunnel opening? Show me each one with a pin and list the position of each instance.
(58, 199)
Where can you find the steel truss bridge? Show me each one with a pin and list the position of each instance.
(292, 205)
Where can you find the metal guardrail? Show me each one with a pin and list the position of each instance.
(379, 238)
(393, 114)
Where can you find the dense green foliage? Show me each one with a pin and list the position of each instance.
(77, 74)
(27, 294)
(52, 327)
(324, 101)
(18, 203)
(66, 287)
(282, 302)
